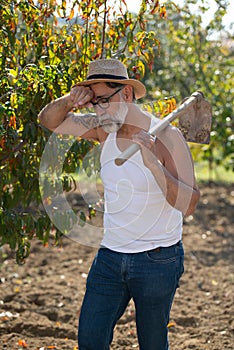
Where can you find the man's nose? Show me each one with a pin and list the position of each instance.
(99, 111)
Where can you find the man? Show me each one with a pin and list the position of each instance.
(141, 254)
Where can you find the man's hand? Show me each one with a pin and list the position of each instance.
(81, 96)
(147, 144)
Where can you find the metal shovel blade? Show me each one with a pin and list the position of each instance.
(195, 122)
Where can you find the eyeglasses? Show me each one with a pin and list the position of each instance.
(104, 102)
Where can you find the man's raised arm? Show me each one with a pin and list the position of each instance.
(58, 116)
(53, 114)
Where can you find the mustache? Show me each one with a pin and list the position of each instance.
(107, 119)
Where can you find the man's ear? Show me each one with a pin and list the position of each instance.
(127, 93)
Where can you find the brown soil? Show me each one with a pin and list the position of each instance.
(40, 301)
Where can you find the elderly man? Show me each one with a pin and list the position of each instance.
(141, 254)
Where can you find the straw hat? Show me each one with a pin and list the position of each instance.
(112, 70)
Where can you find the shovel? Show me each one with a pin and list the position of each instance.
(195, 116)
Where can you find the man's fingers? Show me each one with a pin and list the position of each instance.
(81, 95)
(144, 139)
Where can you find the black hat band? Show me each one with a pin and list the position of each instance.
(106, 76)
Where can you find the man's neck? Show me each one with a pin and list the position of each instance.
(135, 121)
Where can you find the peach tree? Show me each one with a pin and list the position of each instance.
(45, 47)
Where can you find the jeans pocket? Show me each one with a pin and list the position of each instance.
(161, 257)
(180, 269)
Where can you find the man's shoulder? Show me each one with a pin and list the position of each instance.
(101, 134)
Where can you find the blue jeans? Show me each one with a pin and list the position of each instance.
(149, 278)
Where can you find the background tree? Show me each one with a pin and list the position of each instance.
(194, 57)
(45, 49)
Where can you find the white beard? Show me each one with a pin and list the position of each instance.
(112, 123)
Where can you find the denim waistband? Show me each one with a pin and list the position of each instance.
(158, 249)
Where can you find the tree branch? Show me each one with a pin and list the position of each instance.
(16, 149)
(104, 29)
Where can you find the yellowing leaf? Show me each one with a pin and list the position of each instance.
(155, 8)
(163, 12)
(22, 343)
(71, 15)
(12, 122)
(171, 324)
(112, 32)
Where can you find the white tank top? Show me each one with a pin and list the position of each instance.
(137, 216)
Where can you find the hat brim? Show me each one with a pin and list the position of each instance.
(139, 88)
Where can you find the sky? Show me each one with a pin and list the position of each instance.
(133, 6)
